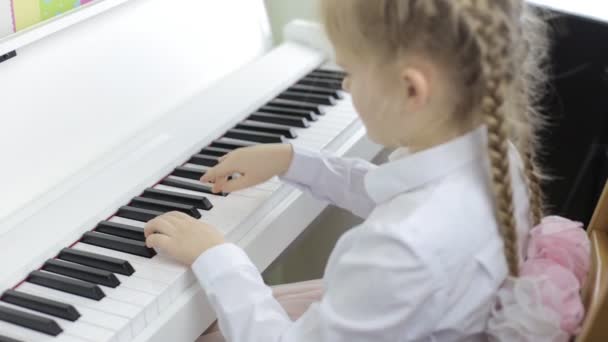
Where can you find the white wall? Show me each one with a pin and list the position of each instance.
(283, 11)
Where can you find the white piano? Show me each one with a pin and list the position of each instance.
(105, 116)
(106, 122)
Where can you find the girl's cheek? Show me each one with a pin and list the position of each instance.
(346, 84)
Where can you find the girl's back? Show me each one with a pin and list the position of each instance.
(435, 226)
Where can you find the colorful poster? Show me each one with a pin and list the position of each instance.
(6, 18)
(22, 14)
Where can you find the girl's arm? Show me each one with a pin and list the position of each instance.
(379, 288)
(339, 181)
(336, 180)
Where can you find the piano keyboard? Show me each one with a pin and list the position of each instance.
(109, 286)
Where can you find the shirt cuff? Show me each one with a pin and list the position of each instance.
(299, 170)
(217, 261)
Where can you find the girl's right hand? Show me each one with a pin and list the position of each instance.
(254, 165)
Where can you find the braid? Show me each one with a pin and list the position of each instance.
(536, 203)
(493, 37)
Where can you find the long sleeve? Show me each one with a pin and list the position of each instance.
(339, 181)
(353, 308)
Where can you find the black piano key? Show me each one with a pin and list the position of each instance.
(138, 214)
(337, 73)
(308, 98)
(200, 202)
(264, 138)
(165, 206)
(232, 145)
(300, 113)
(176, 183)
(8, 339)
(265, 128)
(188, 172)
(204, 160)
(122, 230)
(297, 105)
(118, 243)
(29, 321)
(215, 151)
(319, 82)
(47, 306)
(81, 272)
(65, 284)
(317, 90)
(326, 76)
(97, 260)
(279, 120)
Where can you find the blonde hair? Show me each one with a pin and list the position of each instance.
(491, 50)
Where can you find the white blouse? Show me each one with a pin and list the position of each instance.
(424, 266)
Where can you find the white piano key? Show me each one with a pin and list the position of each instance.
(333, 122)
(119, 325)
(141, 285)
(323, 130)
(254, 192)
(310, 142)
(147, 302)
(223, 224)
(78, 329)
(336, 116)
(159, 269)
(105, 320)
(108, 305)
(229, 205)
(118, 219)
(258, 194)
(268, 186)
(309, 146)
(215, 199)
(160, 291)
(27, 335)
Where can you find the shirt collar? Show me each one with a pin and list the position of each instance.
(407, 171)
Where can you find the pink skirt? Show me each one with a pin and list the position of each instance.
(295, 299)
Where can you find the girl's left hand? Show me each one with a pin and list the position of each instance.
(181, 236)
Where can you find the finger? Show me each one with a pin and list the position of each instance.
(222, 169)
(159, 225)
(219, 184)
(237, 183)
(149, 227)
(176, 217)
(159, 242)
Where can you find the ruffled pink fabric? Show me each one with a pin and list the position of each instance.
(557, 262)
(562, 241)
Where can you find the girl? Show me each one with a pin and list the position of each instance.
(449, 83)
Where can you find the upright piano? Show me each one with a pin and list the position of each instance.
(575, 140)
(109, 122)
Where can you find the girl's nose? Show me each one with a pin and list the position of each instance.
(346, 84)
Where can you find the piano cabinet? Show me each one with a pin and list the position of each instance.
(574, 144)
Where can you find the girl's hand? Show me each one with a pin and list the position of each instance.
(255, 165)
(181, 236)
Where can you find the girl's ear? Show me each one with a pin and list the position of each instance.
(417, 89)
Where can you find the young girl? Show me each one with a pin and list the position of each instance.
(450, 84)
